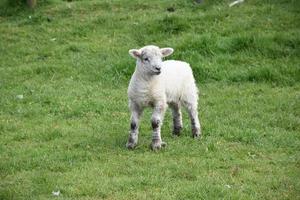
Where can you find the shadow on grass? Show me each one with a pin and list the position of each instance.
(15, 7)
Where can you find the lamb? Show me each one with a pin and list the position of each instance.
(160, 84)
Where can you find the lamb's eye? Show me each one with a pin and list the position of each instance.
(146, 59)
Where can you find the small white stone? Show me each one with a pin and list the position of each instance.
(20, 96)
(57, 193)
(236, 2)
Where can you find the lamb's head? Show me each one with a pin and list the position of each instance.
(149, 58)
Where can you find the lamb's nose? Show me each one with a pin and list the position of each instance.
(157, 68)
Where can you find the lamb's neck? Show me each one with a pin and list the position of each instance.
(146, 79)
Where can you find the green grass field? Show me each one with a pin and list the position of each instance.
(69, 60)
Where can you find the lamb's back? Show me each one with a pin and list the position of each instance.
(178, 77)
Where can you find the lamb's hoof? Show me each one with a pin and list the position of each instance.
(132, 142)
(175, 134)
(130, 145)
(196, 133)
(176, 131)
(157, 145)
(196, 136)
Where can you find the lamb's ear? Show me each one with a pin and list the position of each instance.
(166, 51)
(135, 53)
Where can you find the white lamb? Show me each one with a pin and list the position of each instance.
(158, 83)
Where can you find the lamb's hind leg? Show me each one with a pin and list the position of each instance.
(136, 113)
(195, 123)
(177, 118)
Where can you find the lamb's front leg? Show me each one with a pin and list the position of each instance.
(136, 113)
(156, 122)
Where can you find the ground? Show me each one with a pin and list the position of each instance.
(64, 120)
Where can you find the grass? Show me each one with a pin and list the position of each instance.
(69, 60)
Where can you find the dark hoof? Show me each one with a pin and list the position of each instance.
(176, 131)
(197, 136)
(175, 134)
